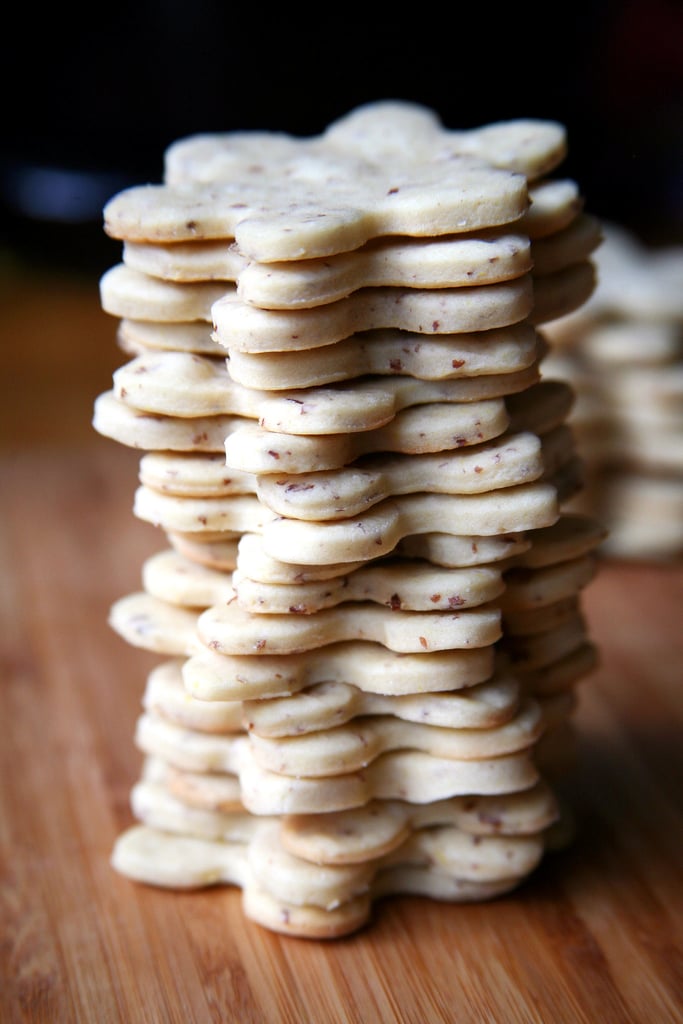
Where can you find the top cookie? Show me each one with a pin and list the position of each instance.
(385, 169)
(381, 131)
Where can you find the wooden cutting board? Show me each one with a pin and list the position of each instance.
(594, 937)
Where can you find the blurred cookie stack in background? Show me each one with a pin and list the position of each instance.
(623, 353)
(369, 605)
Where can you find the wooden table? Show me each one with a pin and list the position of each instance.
(594, 937)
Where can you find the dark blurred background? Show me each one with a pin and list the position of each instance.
(92, 99)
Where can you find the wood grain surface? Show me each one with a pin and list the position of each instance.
(595, 936)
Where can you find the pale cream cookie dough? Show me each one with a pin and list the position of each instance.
(367, 611)
(486, 365)
(335, 192)
(188, 385)
(288, 893)
(445, 262)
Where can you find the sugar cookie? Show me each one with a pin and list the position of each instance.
(135, 337)
(329, 704)
(120, 422)
(154, 624)
(346, 837)
(369, 666)
(347, 748)
(229, 629)
(337, 494)
(378, 531)
(448, 262)
(192, 474)
(454, 552)
(184, 385)
(485, 364)
(125, 292)
(294, 219)
(234, 514)
(398, 584)
(435, 427)
(165, 695)
(459, 261)
(212, 550)
(171, 577)
(555, 205)
(244, 328)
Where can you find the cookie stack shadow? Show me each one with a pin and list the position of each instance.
(367, 608)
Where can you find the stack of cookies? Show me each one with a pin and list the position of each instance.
(367, 609)
(623, 353)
